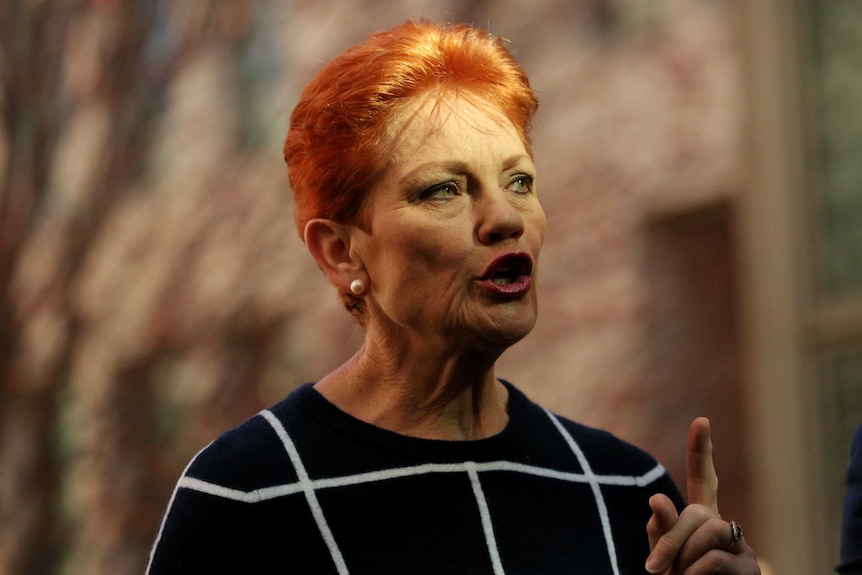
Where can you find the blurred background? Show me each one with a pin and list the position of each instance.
(699, 168)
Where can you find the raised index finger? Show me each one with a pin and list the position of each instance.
(701, 479)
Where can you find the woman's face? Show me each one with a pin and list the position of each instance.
(454, 229)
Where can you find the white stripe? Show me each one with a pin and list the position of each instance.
(485, 514)
(308, 488)
(274, 491)
(654, 475)
(619, 480)
(385, 474)
(597, 491)
(218, 490)
(167, 512)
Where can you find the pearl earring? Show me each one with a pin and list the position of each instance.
(357, 287)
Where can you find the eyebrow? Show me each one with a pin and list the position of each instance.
(459, 166)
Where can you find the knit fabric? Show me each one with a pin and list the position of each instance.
(306, 488)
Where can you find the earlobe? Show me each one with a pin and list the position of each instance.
(357, 287)
(329, 243)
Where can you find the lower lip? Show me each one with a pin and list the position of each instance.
(512, 290)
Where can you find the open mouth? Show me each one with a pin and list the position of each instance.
(509, 274)
(506, 275)
(508, 268)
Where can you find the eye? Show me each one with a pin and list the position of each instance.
(521, 184)
(440, 191)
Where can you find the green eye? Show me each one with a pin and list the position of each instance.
(441, 191)
(521, 184)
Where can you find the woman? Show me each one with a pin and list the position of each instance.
(415, 191)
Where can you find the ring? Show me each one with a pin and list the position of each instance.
(736, 535)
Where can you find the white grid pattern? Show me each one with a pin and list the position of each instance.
(309, 487)
(597, 491)
(487, 523)
(310, 493)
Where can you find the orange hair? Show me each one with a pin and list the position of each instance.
(336, 142)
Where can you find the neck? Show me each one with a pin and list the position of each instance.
(422, 394)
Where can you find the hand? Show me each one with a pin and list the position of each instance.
(697, 540)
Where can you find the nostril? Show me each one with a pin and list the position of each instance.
(496, 237)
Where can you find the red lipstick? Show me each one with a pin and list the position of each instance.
(508, 276)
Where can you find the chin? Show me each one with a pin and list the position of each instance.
(501, 337)
(498, 326)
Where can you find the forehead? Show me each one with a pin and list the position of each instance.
(448, 123)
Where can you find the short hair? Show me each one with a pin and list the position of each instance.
(337, 140)
(337, 135)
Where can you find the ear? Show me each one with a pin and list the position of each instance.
(330, 245)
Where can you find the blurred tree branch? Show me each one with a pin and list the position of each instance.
(41, 95)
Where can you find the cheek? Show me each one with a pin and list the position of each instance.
(431, 257)
(539, 225)
(535, 226)
(432, 260)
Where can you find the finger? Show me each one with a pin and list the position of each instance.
(663, 518)
(743, 561)
(668, 546)
(701, 479)
(713, 535)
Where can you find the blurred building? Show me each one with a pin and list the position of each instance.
(801, 232)
(704, 253)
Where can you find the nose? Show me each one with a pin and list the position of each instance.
(498, 218)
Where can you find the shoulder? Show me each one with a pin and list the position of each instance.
(213, 523)
(597, 452)
(253, 453)
(614, 461)
(605, 452)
